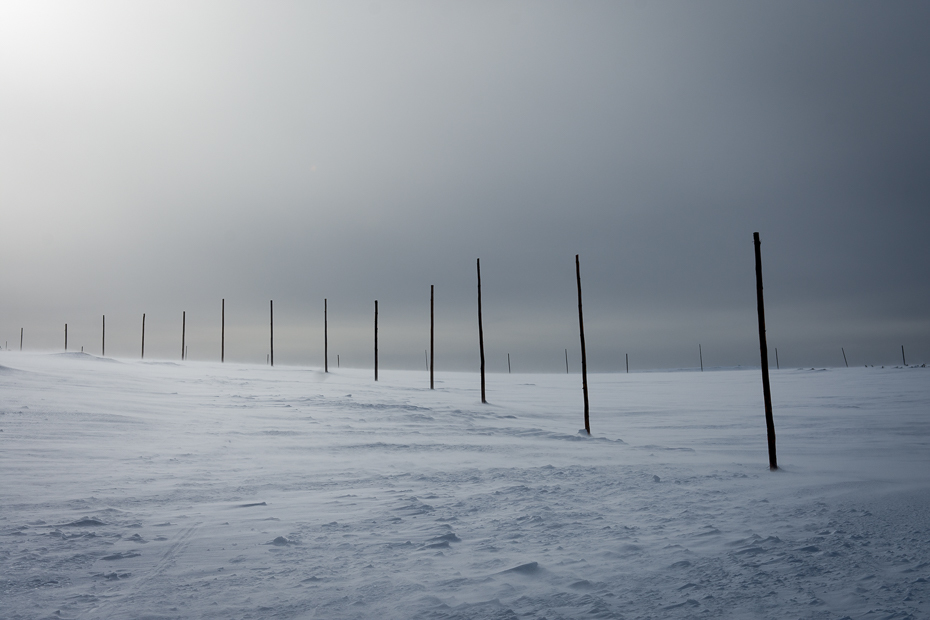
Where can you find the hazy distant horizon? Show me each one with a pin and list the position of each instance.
(160, 156)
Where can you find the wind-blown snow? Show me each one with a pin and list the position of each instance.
(189, 490)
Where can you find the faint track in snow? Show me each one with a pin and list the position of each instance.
(110, 607)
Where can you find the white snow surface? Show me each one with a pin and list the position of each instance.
(192, 490)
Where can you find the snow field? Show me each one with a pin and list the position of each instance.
(163, 490)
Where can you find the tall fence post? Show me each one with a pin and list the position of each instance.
(481, 334)
(376, 340)
(66, 337)
(566, 361)
(143, 335)
(183, 335)
(271, 328)
(584, 357)
(21, 338)
(844, 357)
(627, 363)
(432, 335)
(701, 354)
(223, 331)
(325, 335)
(508, 363)
(103, 337)
(777, 365)
(903, 359)
(763, 349)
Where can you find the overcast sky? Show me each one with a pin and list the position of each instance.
(158, 157)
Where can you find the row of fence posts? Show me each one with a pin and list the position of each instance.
(760, 308)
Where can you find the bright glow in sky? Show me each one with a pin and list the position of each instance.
(157, 157)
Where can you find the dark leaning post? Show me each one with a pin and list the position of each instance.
(376, 340)
(223, 331)
(143, 335)
(271, 328)
(584, 358)
(763, 348)
(325, 335)
(432, 333)
(481, 334)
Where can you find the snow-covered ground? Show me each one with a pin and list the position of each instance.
(194, 490)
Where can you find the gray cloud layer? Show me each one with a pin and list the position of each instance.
(158, 157)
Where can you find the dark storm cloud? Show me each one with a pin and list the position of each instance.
(160, 157)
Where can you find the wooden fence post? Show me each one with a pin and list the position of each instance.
(223, 331)
(325, 335)
(508, 363)
(103, 337)
(627, 363)
(271, 324)
(701, 354)
(376, 340)
(763, 349)
(432, 335)
(566, 361)
(183, 334)
(66, 338)
(777, 365)
(143, 335)
(903, 359)
(481, 334)
(844, 357)
(21, 338)
(584, 358)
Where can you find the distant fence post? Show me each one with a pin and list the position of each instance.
(481, 334)
(701, 354)
(432, 335)
(103, 337)
(143, 335)
(66, 338)
(777, 365)
(584, 358)
(376, 340)
(183, 334)
(566, 361)
(903, 359)
(325, 335)
(763, 349)
(627, 363)
(508, 363)
(844, 357)
(223, 331)
(271, 327)
(21, 338)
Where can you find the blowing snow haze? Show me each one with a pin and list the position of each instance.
(159, 157)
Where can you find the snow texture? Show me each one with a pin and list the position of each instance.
(152, 490)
